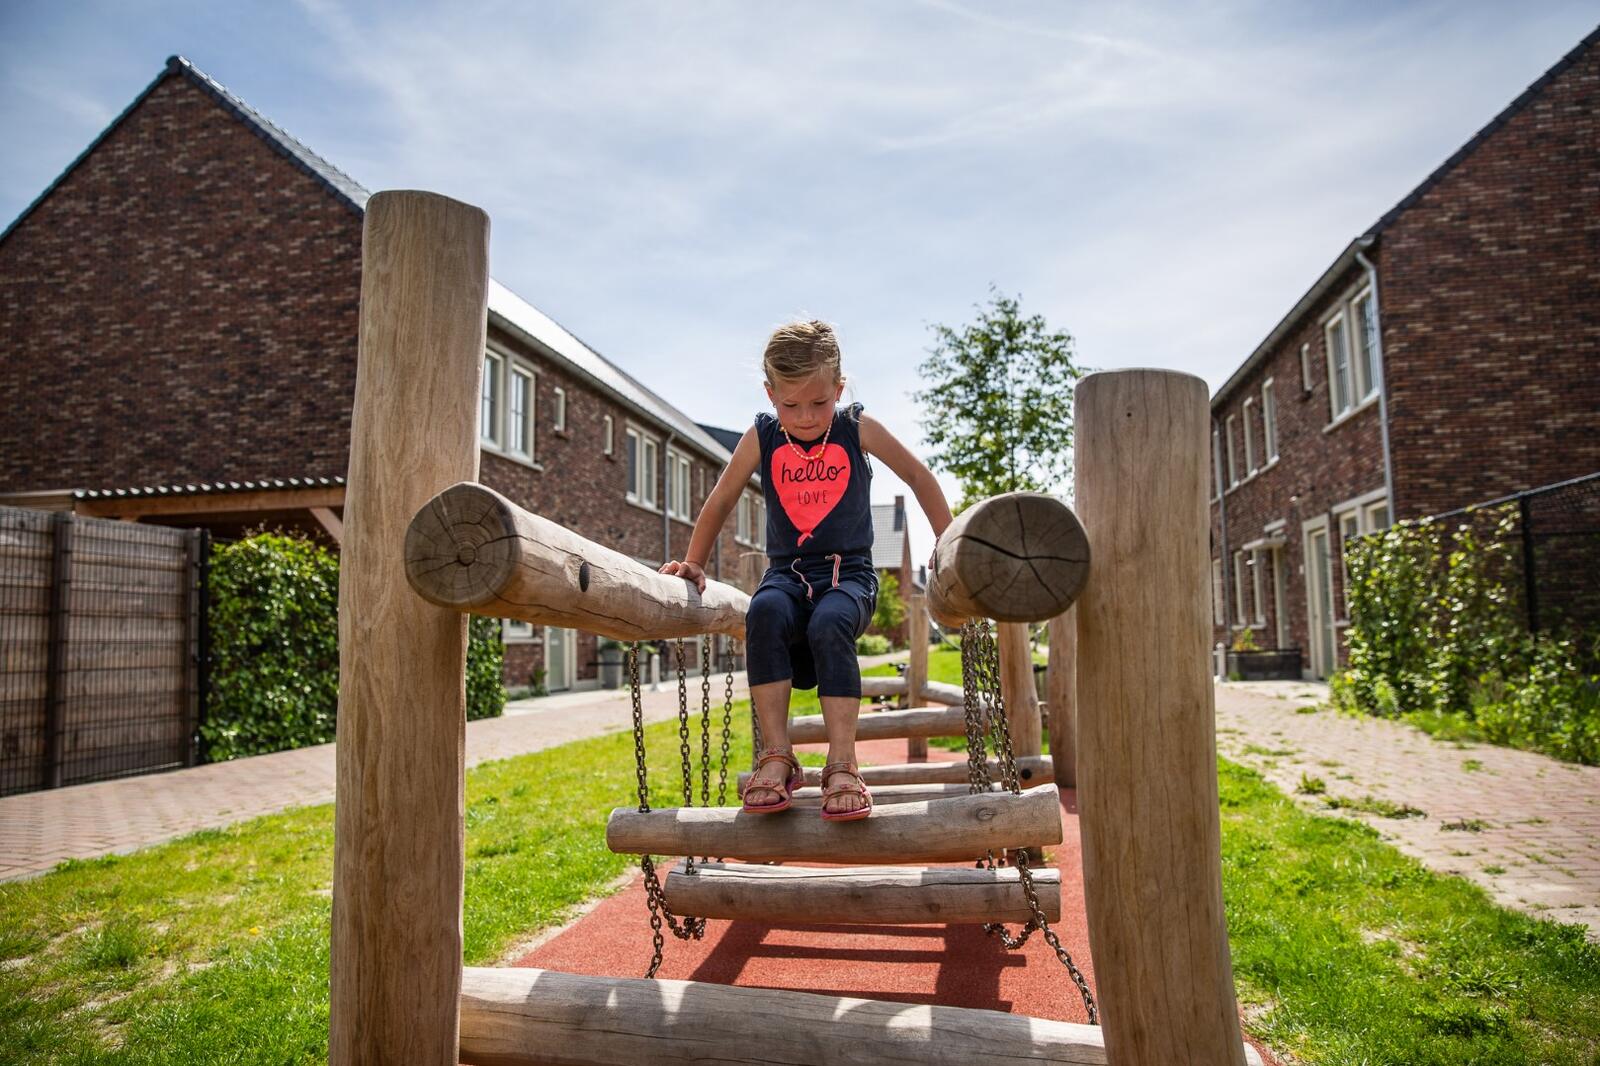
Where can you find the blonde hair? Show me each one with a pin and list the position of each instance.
(797, 350)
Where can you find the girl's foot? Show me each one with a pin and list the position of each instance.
(844, 794)
(776, 775)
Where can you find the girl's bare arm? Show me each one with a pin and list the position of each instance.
(714, 513)
(880, 442)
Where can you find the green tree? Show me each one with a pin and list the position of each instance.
(998, 401)
(891, 608)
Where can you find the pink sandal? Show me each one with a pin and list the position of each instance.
(797, 777)
(829, 791)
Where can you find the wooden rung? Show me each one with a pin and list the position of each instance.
(942, 692)
(812, 797)
(886, 725)
(1033, 769)
(860, 895)
(946, 830)
(883, 686)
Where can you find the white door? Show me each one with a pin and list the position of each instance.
(559, 658)
(1319, 600)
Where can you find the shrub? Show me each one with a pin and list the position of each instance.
(274, 620)
(871, 644)
(891, 610)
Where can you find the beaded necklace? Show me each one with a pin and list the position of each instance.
(796, 448)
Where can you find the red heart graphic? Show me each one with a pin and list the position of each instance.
(810, 487)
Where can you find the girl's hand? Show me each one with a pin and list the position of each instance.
(688, 571)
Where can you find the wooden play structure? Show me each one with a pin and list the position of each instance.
(425, 546)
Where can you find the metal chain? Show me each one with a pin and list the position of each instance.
(705, 720)
(980, 674)
(685, 758)
(685, 928)
(727, 732)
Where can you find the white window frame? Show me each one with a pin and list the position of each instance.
(1217, 612)
(1239, 613)
(1369, 516)
(491, 398)
(1355, 317)
(1249, 438)
(741, 527)
(679, 503)
(529, 417)
(1305, 367)
(515, 631)
(1233, 464)
(1363, 346)
(1216, 463)
(1341, 400)
(558, 421)
(1256, 589)
(644, 484)
(608, 435)
(1269, 420)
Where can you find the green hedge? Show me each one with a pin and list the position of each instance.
(275, 649)
(1437, 636)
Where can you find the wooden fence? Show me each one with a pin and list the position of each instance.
(101, 635)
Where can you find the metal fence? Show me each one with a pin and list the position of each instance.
(102, 628)
(1554, 532)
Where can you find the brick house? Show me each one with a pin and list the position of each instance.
(1449, 355)
(180, 307)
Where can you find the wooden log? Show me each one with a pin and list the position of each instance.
(472, 549)
(395, 970)
(811, 795)
(942, 692)
(882, 686)
(886, 725)
(1017, 689)
(860, 895)
(1017, 557)
(1061, 685)
(949, 830)
(520, 1016)
(1033, 771)
(1147, 766)
(917, 668)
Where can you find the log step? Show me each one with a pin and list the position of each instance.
(885, 794)
(520, 1016)
(860, 895)
(883, 686)
(886, 725)
(1033, 769)
(942, 692)
(945, 830)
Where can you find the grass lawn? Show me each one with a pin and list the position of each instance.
(213, 948)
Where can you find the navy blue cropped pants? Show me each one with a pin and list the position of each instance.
(804, 620)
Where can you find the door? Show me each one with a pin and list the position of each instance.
(1319, 600)
(1280, 595)
(559, 658)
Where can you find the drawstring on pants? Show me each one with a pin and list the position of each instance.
(794, 566)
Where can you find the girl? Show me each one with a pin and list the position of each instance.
(820, 590)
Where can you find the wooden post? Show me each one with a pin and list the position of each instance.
(1147, 772)
(1017, 687)
(398, 821)
(917, 669)
(1061, 687)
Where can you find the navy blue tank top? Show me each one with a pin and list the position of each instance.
(818, 498)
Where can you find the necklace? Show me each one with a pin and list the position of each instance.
(796, 448)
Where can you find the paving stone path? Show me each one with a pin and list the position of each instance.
(1523, 826)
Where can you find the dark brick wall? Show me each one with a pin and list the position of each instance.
(181, 309)
(1489, 290)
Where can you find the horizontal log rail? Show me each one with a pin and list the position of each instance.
(886, 725)
(472, 549)
(946, 830)
(811, 795)
(860, 895)
(1017, 557)
(1034, 770)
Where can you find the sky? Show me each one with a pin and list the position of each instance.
(672, 180)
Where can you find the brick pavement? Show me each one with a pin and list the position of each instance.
(1523, 826)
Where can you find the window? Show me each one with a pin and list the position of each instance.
(1238, 587)
(1269, 421)
(489, 412)
(519, 424)
(1305, 367)
(1249, 438)
(1365, 328)
(559, 421)
(1341, 394)
(1377, 517)
(1257, 565)
(752, 526)
(741, 530)
(512, 629)
(758, 508)
(1216, 462)
(1349, 530)
(608, 434)
(1216, 592)
(643, 460)
(678, 503)
(1233, 463)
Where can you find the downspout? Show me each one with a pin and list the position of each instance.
(1383, 383)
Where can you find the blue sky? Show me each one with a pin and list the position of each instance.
(671, 180)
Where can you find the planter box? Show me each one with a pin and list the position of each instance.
(1281, 664)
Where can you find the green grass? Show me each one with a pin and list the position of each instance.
(1350, 952)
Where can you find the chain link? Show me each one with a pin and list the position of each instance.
(705, 720)
(980, 683)
(727, 732)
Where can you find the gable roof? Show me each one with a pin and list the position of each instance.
(1366, 240)
(506, 308)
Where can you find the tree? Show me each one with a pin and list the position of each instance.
(998, 401)
(891, 608)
